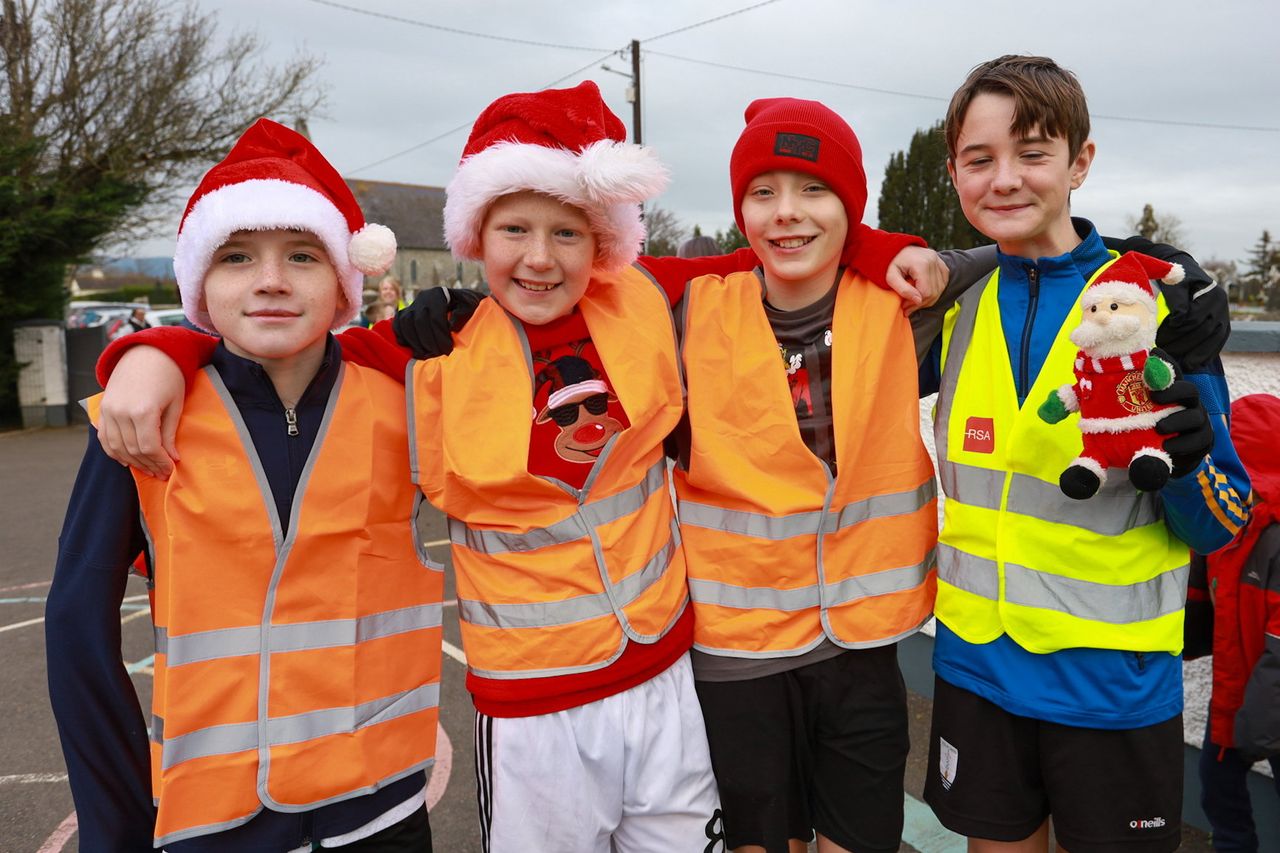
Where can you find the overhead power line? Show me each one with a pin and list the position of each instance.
(468, 124)
(710, 20)
(455, 30)
(902, 94)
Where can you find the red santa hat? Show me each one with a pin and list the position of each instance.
(564, 143)
(273, 177)
(1128, 280)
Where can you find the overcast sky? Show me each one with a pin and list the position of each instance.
(391, 85)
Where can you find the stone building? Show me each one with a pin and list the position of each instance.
(416, 215)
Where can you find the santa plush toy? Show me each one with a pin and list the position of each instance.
(1115, 372)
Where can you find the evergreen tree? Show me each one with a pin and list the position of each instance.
(731, 239)
(1257, 270)
(917, 197)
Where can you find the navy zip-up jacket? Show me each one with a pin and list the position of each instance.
(100, 723)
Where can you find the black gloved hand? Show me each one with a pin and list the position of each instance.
(1190, 430)
(1199, 320)
(427, 325)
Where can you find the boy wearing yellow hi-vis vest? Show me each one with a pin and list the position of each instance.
(1059, 679)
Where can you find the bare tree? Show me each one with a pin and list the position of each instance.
(666, 233)
(1165, 228)
(110, 109)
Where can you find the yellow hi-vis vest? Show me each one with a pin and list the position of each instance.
(781, 554)
(296, 669)
(553, 579)
(1016, 556)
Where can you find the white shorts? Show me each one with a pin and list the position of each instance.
(629, 773)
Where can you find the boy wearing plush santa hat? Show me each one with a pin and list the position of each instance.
(270, 728)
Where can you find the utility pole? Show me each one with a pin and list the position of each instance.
(634, 94)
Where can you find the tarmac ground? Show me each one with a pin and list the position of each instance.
(36, 811)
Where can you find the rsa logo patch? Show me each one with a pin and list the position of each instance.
(979, 435)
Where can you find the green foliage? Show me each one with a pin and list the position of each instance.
(917, 197)
(50, 217)
(156, 294)
(731, 239)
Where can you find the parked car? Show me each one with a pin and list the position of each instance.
(166, 317)
(82, 315)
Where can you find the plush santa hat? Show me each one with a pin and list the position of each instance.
(274, 177)
(564, 143)
(1128, 280)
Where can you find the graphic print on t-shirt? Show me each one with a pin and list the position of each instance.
(798, 375)
(577, 401)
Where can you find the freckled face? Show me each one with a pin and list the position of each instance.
(538, 255)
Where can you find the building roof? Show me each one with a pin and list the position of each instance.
(415, 213)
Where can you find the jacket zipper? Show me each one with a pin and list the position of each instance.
(291, 418)
(1033, 282)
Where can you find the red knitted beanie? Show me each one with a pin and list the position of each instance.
(800, 136)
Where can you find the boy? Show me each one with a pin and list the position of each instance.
(806, 501)
(1239, 587)
(1058, 688)
(283, 581)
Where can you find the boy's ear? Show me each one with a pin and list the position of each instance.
(951, 170)
(1080, 166)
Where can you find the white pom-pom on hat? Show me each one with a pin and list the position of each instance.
(372, 249)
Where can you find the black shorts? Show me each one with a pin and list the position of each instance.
(822, 747)
(411, 835)
(995, 775)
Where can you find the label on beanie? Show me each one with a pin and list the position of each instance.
(796, 145)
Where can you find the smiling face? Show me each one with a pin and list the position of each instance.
(797, 227)
(1016, 189)
(538, 254)
(272, 295)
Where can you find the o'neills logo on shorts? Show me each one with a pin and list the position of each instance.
(980, 435)
(796, 145)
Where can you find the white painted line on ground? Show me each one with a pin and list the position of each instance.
(24, 586)
(435, 543)
(16, 625)
(454, 652)
(126, 604)
(922, 831)
(32, 778)
(58, 840)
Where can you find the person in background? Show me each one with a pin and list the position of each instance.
(138, 320)
(391, 291)
(1233, 613)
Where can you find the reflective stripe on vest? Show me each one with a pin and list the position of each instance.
(781, 555)
(551, 579)
(1017, 556)
(264, 691)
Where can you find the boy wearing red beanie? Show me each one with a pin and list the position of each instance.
(806, 501)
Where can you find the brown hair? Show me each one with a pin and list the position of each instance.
(1045, 95)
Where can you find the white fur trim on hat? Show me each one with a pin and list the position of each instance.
(260, 205)
(608, 181)
(1120, 291)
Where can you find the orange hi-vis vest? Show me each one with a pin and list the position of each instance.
(293, 669)
(552, 579)
(780, 553)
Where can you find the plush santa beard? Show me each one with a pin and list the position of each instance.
(1121, 336)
